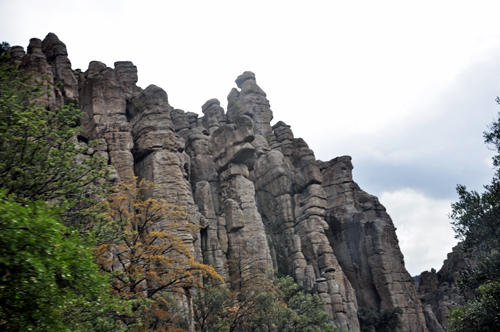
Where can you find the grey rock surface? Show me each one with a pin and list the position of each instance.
(36, 62)
(438, 289)
(57, 57)
(255, 194)
(364, 241)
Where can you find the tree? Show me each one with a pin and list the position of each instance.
(145, 259)
(45, 268)
(476, 221)
(210, 308)
(307, 310)
(39, 275)
(251, 284)
(4, 47)
(39, 156)
(41, 162)
(273, 305)
(388, 321)
(481, 314)
(476, 218)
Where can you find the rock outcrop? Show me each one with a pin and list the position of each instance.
(364, 241)
(256, 194)
(438, 290)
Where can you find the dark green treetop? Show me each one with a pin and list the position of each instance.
(476, 222)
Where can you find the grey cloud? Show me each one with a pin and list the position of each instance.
(433, 156)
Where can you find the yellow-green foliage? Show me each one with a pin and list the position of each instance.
(145, 259)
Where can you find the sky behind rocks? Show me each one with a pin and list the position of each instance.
(405, 89)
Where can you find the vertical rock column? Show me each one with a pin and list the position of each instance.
(160, 158)
(103, 101)
(36, 62)
(16, 54)
(250, 101)
(273, 177)
(214, 115)
(57, 56)
(205, 180)
(296, 227)
(310, 209)
(100, 92)
(290, 199)
(247, 244)
(364, 241)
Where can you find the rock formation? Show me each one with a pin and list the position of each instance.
(364, 241)
(257, 193)
(438, 290)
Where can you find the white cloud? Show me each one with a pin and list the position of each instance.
(423, 228)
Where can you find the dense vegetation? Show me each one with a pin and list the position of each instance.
(388, 321)
(38, 271)
(260, 305)
(38, 165)
(476, 221)
(79, 255)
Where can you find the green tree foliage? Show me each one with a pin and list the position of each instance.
(4, 47)
(47, 279)
(476, 221)
(388, 321)
(307, 310)
(479, 315)
(282, 306)
(476, 218)
(39, 159)
(43, 267)
(210, 307)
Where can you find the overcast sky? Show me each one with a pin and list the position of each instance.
(404, 87)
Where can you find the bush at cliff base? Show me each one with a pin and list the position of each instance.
(481, 314)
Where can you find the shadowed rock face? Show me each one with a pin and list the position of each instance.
(257, 194)
(364, 240)
(439, 291)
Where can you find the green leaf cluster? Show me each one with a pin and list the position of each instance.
(210, 306)
(476, 218)
(43, 267)
(288, 309)
(303, 311)
(39, 156)
(388, 321)
(48, 281)
(481, 314)
(476, 222)
(4, 46)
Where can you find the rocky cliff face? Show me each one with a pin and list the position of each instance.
(258, 193)
(439, 292)
(364, 240)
